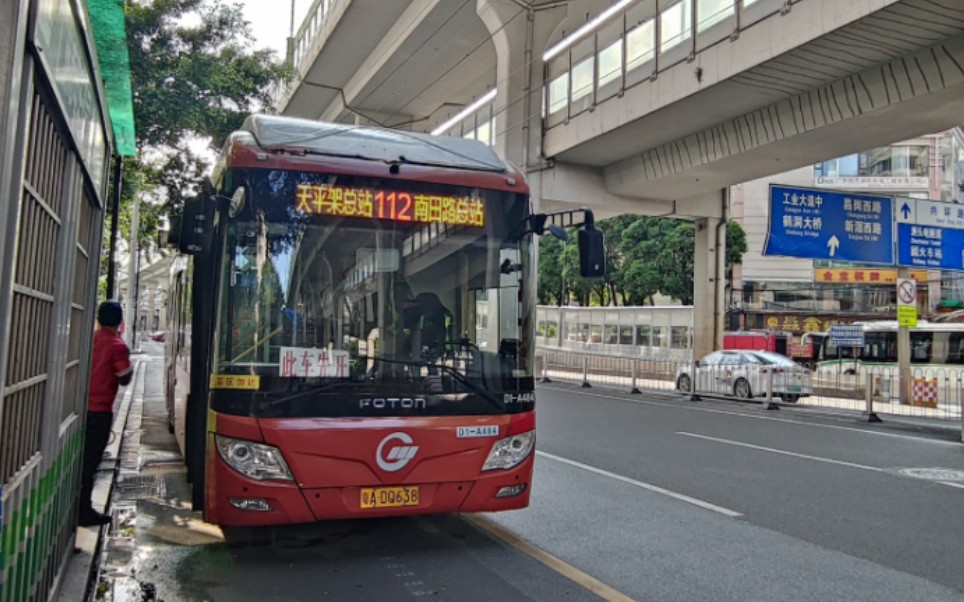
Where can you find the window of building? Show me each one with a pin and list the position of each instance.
(674, 25)
(639, 45)
(610, 63)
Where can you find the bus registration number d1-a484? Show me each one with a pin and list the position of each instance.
(389, 497)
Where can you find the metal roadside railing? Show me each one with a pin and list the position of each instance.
(935, 393)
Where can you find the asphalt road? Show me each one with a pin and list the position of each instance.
(635, 497)
(671, 500)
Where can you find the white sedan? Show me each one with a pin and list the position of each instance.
(745, 374)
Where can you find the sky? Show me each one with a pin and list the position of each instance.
(271, 21)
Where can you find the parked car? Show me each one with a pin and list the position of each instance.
(158, 336)
(744, 374)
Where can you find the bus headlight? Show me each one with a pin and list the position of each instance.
(255, 460)
(510, 452)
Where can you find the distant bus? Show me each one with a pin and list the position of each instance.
(936, 352)
(659, 332)
(352, 327)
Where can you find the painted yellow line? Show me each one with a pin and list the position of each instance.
(568, 571)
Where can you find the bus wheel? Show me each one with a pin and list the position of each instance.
(790, 398)
(741, 388)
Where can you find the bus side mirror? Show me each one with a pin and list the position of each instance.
(197, 226)
(592, 253)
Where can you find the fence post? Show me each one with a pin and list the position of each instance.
(692, 392)
(635, 389)
(585, 372)
(545, 369)
(869, 414)
(768, 402)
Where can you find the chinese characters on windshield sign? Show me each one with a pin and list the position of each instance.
(301, 362)
(398, 206)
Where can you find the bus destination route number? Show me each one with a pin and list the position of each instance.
(396, 206)
(388, 497)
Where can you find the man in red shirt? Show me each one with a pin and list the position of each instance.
(110, 367)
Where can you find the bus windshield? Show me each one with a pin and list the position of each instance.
(363, 296)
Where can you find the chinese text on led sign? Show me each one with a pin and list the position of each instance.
(399, 206)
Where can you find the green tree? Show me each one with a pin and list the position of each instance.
(735, 247)
(550, 289)
(195, 75)
(613, 286)
(639, 277)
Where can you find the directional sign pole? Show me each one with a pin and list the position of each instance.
(903, 351)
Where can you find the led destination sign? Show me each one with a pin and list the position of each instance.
(397, 206)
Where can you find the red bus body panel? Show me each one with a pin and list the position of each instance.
(750, 340)
(331, 459)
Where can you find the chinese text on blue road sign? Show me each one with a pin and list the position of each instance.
(930, 234)
(847, 335)
(822, 224)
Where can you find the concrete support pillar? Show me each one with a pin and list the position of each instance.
(709, 278)
(520, 36)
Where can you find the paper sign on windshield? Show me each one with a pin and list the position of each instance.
(306, 363)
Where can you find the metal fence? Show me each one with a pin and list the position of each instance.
(935, 393)
(47, 308)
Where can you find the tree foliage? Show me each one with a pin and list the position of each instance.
(645, 256)
(195, 75)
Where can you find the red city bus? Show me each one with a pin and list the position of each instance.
(352, 326)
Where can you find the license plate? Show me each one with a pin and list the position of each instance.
(389, 497)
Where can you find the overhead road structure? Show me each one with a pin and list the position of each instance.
(659, 108)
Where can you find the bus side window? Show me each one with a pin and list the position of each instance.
(955, 349)
(920, 344)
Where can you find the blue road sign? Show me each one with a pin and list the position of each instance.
(930, 234)
(847, 335)
(822, 224)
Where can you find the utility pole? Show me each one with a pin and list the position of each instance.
(114, 216)
(130, 313)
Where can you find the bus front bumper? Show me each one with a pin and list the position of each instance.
(236, 500)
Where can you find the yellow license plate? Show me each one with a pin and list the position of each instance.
(389, 497)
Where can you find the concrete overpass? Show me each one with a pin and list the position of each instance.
(656, 110)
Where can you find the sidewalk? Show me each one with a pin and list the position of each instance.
(154, 532)
(77, 575)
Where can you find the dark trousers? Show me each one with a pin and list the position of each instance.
(95, 442)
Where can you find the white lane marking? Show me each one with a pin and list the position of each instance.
(809, 457)
(782, 452)
(693, 408)
(642, 485)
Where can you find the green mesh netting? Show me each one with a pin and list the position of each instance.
(110, 37)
